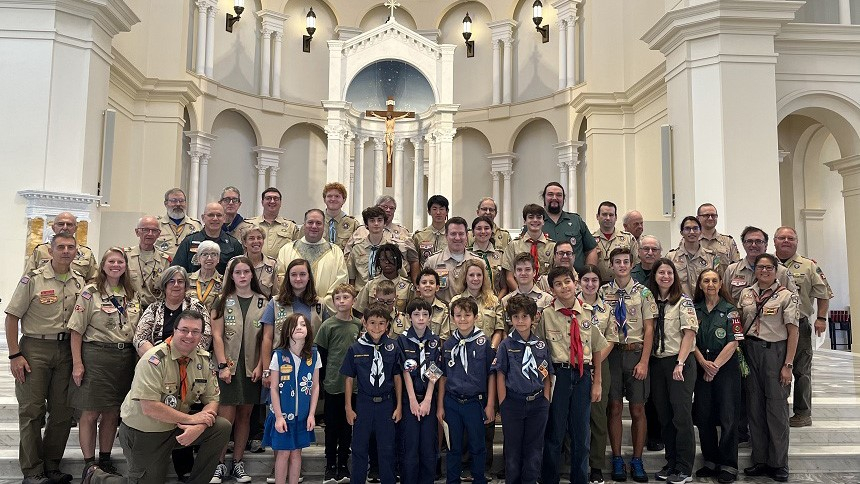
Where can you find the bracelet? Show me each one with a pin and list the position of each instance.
(266, 373)
(821, 318)
(680, 363)
(12, 357)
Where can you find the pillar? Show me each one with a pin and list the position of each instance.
(347, 158)
(502, 31)
(200, 147)
(194, 179)
(334, 160)
(501, 166)
(562, 175)
(562, 53)
(571, 51)
(508, 80)
(497, 74)
(273, 176)
(202, 190)
(572, 183)
(508, 217)
(398, 177)
(418, 183)
(378, 166)
(276, 65)
(566, 14)
(845, 12)
(265, 61)
(432, 152)
(266, 158)
(270, 66)
(445, 162)
(210, 39)
(358, 191)
(200, 57)
(261, 185)
(497, 187)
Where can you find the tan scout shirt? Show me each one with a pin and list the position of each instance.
(279, 233)
(238, 230)
(492, 257)
(399, 324)
(397, 234)
(404, 289)
(811, 283)
(345, 226)
(518, 245)
(689, 266)
(599, 312)
(43, 302)
(541, 298)
(266, 272)
(490, 318)
(554, 328)
(204, 291)
(778, 310)
(640, 306)
(172, 235)
(501, 238)
(741, 274)
(452, 274)
(723, 245)
(619, 239)
(97, 318)
(440, 323)
(327, 263)
(358, 261)
(428, 241)
(243, 330)
(156, 378)
(84, 262)
(145, 270)
(676, 318)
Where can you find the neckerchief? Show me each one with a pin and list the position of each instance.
(332, 230)
(237, 220)
(575, 338)
(534, 253)
(485, 254)
(371, 262)
(377, 375)
(119, 307)
(460, 347)
(422, 353)
(183, 371)
(659, 328)
(621, 313)
(529, 365)
(209, 286)
(760, 300)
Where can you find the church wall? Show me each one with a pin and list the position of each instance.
(237, 54)
(832, 256)
(472, 180)
(304, 75)
(379, 15)
(535, 63)
(473, 77)
(535, 164)
(233, 161)
(303, 170)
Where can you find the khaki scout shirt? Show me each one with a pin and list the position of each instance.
(279, 232)
(440, 323)
(541, 299)
(404, 289)
(238, 230)
(811, 283)
(172, 234)
(493, 257)
(605, 247)
(397, 235)
(723, 245)
(640, 306)
(599, 312)
(97, 318)
(399, 324)
(778, 311)
(266, 274)
(689, 266)
(741, 274)
(554, 328)
(357, 264)
(520, 244)
(145, 270)
(156, 378)
(84, 262)
(452, 274)
(676, 318)
(204, 291)
(43, 302)
(490, 318)
(345, 226)
(283, 312)
(327, 263)
(501, 238)
(243, 330)
(428, 241)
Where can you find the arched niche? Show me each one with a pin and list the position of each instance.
(237, 54)
(536, 164)
(302, 169)
(375, 83)
(467, 92)
(535, 64)
(232, 160)
(378, 15)
(471, 170)
(304, 75)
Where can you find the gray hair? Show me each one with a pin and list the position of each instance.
(205, 246)
(231, 189)
(168, 274)
(385, 198)
(655, 239)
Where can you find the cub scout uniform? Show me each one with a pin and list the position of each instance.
(489, 318)
(524, 243)
(741, 275)
(339, 229)
(279, 232)
(723, 245)
(452, 274)
(404, 289)
(145, 269)
(173, 234)
(618, 239)
(428, 241)
(689, 266)
(84, 262)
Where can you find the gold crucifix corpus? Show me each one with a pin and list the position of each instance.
(389, 116)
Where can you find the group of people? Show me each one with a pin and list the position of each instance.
(225, 330)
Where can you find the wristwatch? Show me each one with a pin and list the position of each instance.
(821, 318)
(221, 366)
(789, 365)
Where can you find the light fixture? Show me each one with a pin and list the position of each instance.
(238, 7)
(467, 34)
(311, 23)
(537, 17)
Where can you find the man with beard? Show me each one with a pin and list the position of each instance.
(560, 225)
(327, 262)
(279, 231)
(146, 262)
(176, 225)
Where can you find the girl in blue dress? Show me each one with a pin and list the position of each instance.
(294, 373)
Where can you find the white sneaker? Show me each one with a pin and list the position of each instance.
(271, 478)
(220, 474)
(239, 472)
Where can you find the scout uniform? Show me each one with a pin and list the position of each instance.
(173, 234)
(150, 324)
(266, 274)
(230, 247)
(688, 266)
(361, 262)
(467, 366)
(295, 390)
(373, 366)
(84, 262)
(399, 324)
(571, 228)
(500, 238)
(239, 338)
(723, 245)
(541, 298)
(599, 315)
(452, 276)
(279, 233)
(340, 229)
(440, 322)
(418, 437)
(526, 364)
(44, 302)
(741, 275)
(569, 410)
(619, 238)
(428, 241)
(206, 292)
(718, 402)
(493, 260)
(145, 268)
(765, 314)
(327, 263)
(147, 442)
(673, 399)
(236, 227)
(405, 293)
(398, 235)
(640, 274)
(524, 243)
(490, 318)
(280, 314)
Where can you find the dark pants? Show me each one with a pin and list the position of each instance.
(418, 444)
(767, 405)
(718, 404)
(802, 370)
(374, 419)
(338, 433)
(524, 422)
(674, 403)
(569, 413)
(467, 416)
(654, 431)
(599, 422)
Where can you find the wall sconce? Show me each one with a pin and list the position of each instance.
(311, 22)
(537, 17)
(238, 7)
(467, 34)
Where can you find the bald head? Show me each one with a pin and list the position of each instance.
(65, 222)
(213, 219)
(633, 223)
(147, 231)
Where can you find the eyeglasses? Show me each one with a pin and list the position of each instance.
(270, 199)
(175, 200)
(190, 332)
(564, 253)
(691, 229)
(176, 282)
(387, 302)
(755, 242)
(230, 200)
(766, 268)
(708, 215)
(209, 255)
(149, 231)
(786, 238)
(649, 249)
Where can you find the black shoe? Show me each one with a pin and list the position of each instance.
(107, 466)
(596, 476)
(726, 477)
(343, 474)
(654, 445)
(58, 477)
(706, 472)
(330, 476)
(664, 473)
(778, 474)
(373, 476)
(757, 470)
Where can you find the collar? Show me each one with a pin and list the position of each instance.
(321, 241)
(759, 289)
(412, 335)
(577, 305)
(628, 288)
(515, 335)
(237, 221)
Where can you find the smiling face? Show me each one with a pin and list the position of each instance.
(176, 204)
(147, 231)
(553, 199)
(63, 250)
(482, 232)
(313, 227)
(635, 224)
(785, 242)
(708, 217)
(522, 322)
(299, 277)
(564, 288)
(439, 214)
(187, 335)
(534, 223)
(524, 273)
(754, 244)
(389, 207)
(474, 278)
(691, 232)
(209, 259)
(114, 266)
(649, 251)
(589, 283)
(427, 287)
(456, 237)
(333, 200)
(765, 272)
(175, 289)
(253, 242)
(376, 327)
(271, 204)
(488, 209)
(213, 218)
(620, 266)
(464, 320)
(564, 255)
(665, 277)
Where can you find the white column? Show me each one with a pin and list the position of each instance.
(445, 162)
(199, 147)
(194, 179)
(273, 176)
(210, 40)
(276, 66)
(508, 216)
(572, 192)
(562, 54)
(200, 58)
(497, 74)
(398, 177)
(562, 175)
(265, 61)
(432, 156)
(507, 82)
(358, 191)
(261, 185)
(571, 51)
(845, 12)
(334, 158)
(418, 183)
(347, 158)
(202, 190)
(378, 166)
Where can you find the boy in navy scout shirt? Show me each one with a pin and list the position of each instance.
(467, 389)
(420, 351)
(373, 364)
(523, 367)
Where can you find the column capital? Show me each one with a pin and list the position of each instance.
(272, 21)
(496, 175)
(398, 143)
(507, 174)
(501, 162)
(335, 131)
(850, 165)
(379, 143)
(813, 213)
(417, 142)
(502, 29)
(265, 33)
(274, 169)
(261, 168)
(200, 141)
(204, 159)
(566, 9)
(445, 134)
(268, 156)
(212, 10)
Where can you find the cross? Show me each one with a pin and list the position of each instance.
(392, 4)
(389, 116)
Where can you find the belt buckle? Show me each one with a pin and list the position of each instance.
(531, 398)
(120, 346)
(377, 399)
(565, 365)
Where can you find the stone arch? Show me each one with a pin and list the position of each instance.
(380, 13)
(282, 7)
(467, 93)
(839, 113)
(516, 133)
(248, 118)
(232, 158)
(457, 3)
(536, 163)
(471, 147)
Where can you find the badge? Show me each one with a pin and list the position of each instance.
(345, 225)
(410, 365)
(540, 345)
(543, 372)
(402, 285)
(229, 310)
(170, 401)
(257, 322)
(200, 366)
(720, 333)
(231, 303)
(260, 303)
(79, 308)
(154, 361)
(290, 416)
(432, 344)
(48, 299)
(390, 346)
(164, 245)
(797, 265)
(481, 341)
(109, 308)
(433, 372)
(25, 279)
(451, 363)
(573, 241)
(631, 310)
(586, 324)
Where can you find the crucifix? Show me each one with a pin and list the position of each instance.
(389, 116)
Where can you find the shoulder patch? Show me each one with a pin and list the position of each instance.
(87, 294)
(645, 291)
(154, 360)
(25, 279)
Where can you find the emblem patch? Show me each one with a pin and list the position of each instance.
(390, 346)
(432, 344)
(410, 365)
(170, 401)
(481, 341)
(720, 333)
(540, 345)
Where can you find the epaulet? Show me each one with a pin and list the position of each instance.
(202, 352)
(90, 288)
(25, 279)
(194, 220)
(127, 250)
(84, 247)
(78, 273)
(624, 232)
(672, 250)
(728, 235)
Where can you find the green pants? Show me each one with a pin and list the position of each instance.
(599, 426)
(45, 390)
(802, 370)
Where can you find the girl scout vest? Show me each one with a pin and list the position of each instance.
(281, 313)
(295, 387)
(239, 329)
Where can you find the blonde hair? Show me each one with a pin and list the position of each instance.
(486, 297)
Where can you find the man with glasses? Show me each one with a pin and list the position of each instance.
(234, 223)
(609, 239)
(741, 274)
(691, 257)
(84, 262)
(213, 221)
(724, 245)
(501, 237)
(176, 225)
(562, 256)
(279, 231)
(650, 250)
(146, 262)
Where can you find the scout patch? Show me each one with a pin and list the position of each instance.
(257, 322)
(260, 303)
(231, 302)
(540, 345)
(199, 366)
(390, 346)
(770, 311)
(170, 401)
(402, 285)
(345, 225)
(164, 245)
(51, 299)
(432, 344)
(543, 372)
(481, 341)
(720, 333)
(79, 308)
(154, 361)
(410, 365)
(739, 281)
(25, 279)
(269, 269)
(573, 241)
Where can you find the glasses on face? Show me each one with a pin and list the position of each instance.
(564, 253)
(765, 268)
(230, 200)
(649, 249)
(189, 332)
(708, 215)
(209, 255)
(690, 230)
(755, 242)
(149, 231)
(176, 282)
(387, 302)
(176, 200)
(786, 238)
(270, 199)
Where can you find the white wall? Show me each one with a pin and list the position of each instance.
(535, 63)
(304, 75)
(303, 168)
(834, 258)
(535, 166)
(472, 180)
(237, 54)
(473, 77)
(232, 162)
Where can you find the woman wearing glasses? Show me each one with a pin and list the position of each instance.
(691, 257)
(205, 283)
(770, 318)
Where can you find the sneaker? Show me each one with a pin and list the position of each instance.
(373, 476)
(343, 474)
(330, 476)
(107, 466)
(664, 473)
(271, 478)
(596, 476)
(466, 475)
(654, 445)
(619, 473)
(220, 474)
(58, 477)
(256, 446)
(37, 479)
(706, 472)
(679, 478)
(726, 477)
(800, 421)
(637, 470)
(239, 472)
